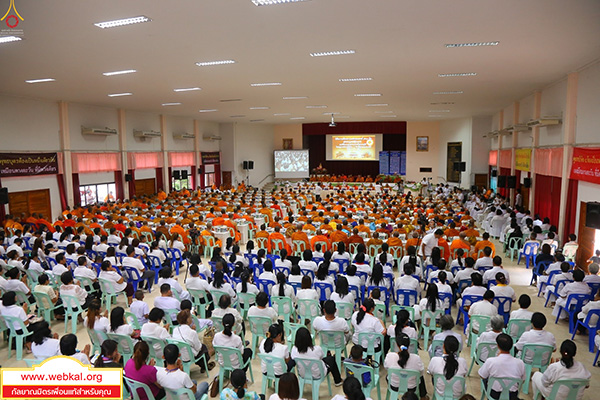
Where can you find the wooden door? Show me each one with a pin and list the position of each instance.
(145, 187)
(227, 179)
(585, 237)
(481, 180)
(31, 201)
(525, 196)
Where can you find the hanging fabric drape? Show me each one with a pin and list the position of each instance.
(547, 197)
(493, 158)
(181, 159)
(549, 161)
(159, 179)
(76, 191)
(95, 162)
(62, 192)
(570, 221)
(144, 160)
(119, 186)
(131, 183)
(505, 159)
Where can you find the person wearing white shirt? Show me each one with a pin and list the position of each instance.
(61, 265)
(108, 272)
(405, 360)
(483, 307)
(503, 366)
(103, 246)
(537, 335)
(166, 301)
(186, 333)
(497, 325)
(273, 345)
(112, 238)
(83, 271)
(14, 283)
(68, 347)
(95, 318)
(407, 281)
(466, 273)
(364, 321)
(446, 325)
(353, 280)
(503, 290)
(45, 344)
(227, 338)
(132, 262)
(173, 377)
(484, 261)
(306, 291)
(361, 264)
(429, 242)
(307, 263)
(166, 277)
(329, 322)
(140, 308)
(491, 273)
(282, 289)
(593, 276)
(555, 266)
(564, 369)
(522, 313)
(267, 273)
(342, 293)
(153, 329)
(577, 287)
(219, 283)
(411, 259)
(194, 281)
(223, 307)
(448, 365)
(262, 309)
(304, 348)
(17, 248)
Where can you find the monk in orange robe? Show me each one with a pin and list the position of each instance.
(413, 241)
(320, 237)
(162, 196)
(277, 235)
(339, 236)
(301, 236)
(482, 244)
(460, 243)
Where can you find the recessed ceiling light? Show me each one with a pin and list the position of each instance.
(383, 112)
(368, 95)
(298, 118)
(125, 71)
(474, 44)
(208, 110)
(316, 106)
(259, 108)
(438, 111)
(377, 105)
(450, 92)
(435, 116)
(121, 22)
(332, 53)
(329, 113)
(210, 63)
(282, 114)
(266, 84)
(8, 39)
(189, 89)
(256, 120)
(388, 116)
(229, 100)
(274, 2)
(40, 80)
(354, 79)
(171, 104)
(457, 74)
(442, 103)
(120, 94)
(237, 116)
(295, 97)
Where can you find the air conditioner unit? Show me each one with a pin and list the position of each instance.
(98, 131)
(182, 136)
(211, 137)
(545, 121)
(146, 134)
(518, 128)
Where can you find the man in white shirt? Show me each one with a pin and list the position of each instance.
(522, 312)
(102, 247)
(140, 308)
(537, 335)
(113, 239)
(173, 377)
(194, 281)
(577, 287)
(486, 260)
(132, 262)
(483, 307)
(491, 274)
(429, 242)
(503, 366)
(61, 265)
(329, 322)
(408, 281)
(166, 301)
(17, 246)
(153, 329)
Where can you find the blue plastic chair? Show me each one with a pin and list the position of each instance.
(591, 329)
(446, 297)
(409, 297)
(539, 269)
(153, 263)
(542, 285)
(504, 304)
(529, 251)
(264, 285)
(384, 291)
(467, 300)
(324, 289)
(343, 263)
(559, 284)
(359, 293)
(133, 276)
(594, 289)
(574, 304)
(176, 259)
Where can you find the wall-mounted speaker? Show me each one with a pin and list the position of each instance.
(250, 164)
(3, 195)
(527, 182)
(128, 177)
(494, 173)
(501, 181)
(511, 182)
(592, 215)
(463, 166)
(245, 165)
(200, 170)
(184, 174)
(176, 174)
(426, 169)
(456, 167)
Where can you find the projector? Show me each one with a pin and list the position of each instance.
(332, 124)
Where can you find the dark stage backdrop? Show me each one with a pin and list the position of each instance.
(314, 136)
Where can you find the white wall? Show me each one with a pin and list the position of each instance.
(417, 159)
(179, 125)
(554, 99)
(526, 109)
(26, 183)
(209, 129)
(92, 117)
(588, 105)
(95, 178)
(227, 133)
(455, 130)
(253, 142)
(480, 146)
(143, 122)
(147, 173)
(509, 113)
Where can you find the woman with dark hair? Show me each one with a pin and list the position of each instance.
(227, 338)
(307, 262)
(274, 346)
(223, 307)
(333, 265)
(304, 348)
(138, 370)
(342, 292)
(219, 283)
(186, 332)
(68, 347)
(307, 291)
(45, 343)
(261, 255)
(236, 256)
(295, 274)
(282, 289)
(564, 369)
(322, 274)
(109, 355)
(436, 256)
(341, 253)
(363, 320)
(405, 360)
(268, 272)
(95, 318)
(352, 389)
(430, 302)
(411, 258)
(107, 271)
(283, 260)
(119, 325)
(239, 385)
(246, 285)
(361, 249)
(449, 365)
(377, 278)
(386, 259)
(289, 389)
(250, 247)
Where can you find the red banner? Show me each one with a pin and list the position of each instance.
(212, 157)
(586, 164)
(28, 164)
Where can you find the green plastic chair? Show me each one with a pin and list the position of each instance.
(290, 330)
(30, 362)
(135, 387)
(132, 320)
(403, 376)
(276, 246)
(514, 246)
(216, 296)
(483, 324)
(516, 327)
(96, 338)
(448, 387)
(436, 349)
(394, 308)
(218, 323)
(19, 338)
(125, 345)
(335, 342)
(246, 300)
(259, 327)
(87, 283)
(370, 339)
(32, 277)
(431, 325)
(345, 310)
(44, 306)
(481, 352)
(109, 292)
(269, 361)
(505, 383)
(305, 375)
(197, 296)
(298, 247)
(22, 298)
(284, 306)
(186, 351)
(380, 311)
(358, 370)
(168, 318)
(573, 385)
(73, 309)
(224, 356)
(179, 394)
(156, 346)
(308, 309)
(210, 244)
(535, 356)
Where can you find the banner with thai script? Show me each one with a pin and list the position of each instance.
(212, 157)
(28, 164)
(586, 164)
(523, 159)
(384, 163)
(395, 159)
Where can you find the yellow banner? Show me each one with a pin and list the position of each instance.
(523, 159)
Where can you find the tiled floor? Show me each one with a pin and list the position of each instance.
(520, 278)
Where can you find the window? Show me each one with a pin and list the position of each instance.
(179, 184)
(209, 179)
(102, 192)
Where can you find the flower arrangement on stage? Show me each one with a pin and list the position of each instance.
(381, 178)
(319, 170)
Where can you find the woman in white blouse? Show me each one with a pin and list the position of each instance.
(403, 359)
(95, 318)
(186, 332)
(304, 348)
(307, 292)
(119, 325)
(342, 292)
(449, 365)
(176, 243)
(45, 343)
(273, 345)
(364, 321)
(227, 338)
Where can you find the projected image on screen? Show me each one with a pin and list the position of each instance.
(291, 164)
(354, 147)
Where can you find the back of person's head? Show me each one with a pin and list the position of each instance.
(272, 333)
(500, 278)
(66, 278)
(165, 272)
(487, 251)
(578, 275)
(306, 282)
(568, 350)
(489, 295)
(303, 340)
(593, 268)
(238, 381)
(538, 320)
(360, 258)
(410, 395)
(225, 301)
(117, 318)
(171, 354)
(469, 262)
(268, 266)
(68, 344)
(295, 270)
(504, 342)
(446, 322)
(353, 389)
(565, 267)
(156, 315)
(141, 351)
(351, 270)
(307, 255)
(356, 352)
(107, 349)
(403, 342)
(409, 269)
(546, 249)
(43, 279)
(183, 316)
(497, 261)
(165, 288)
(186, 305)
(451, 346)
(329, 307)
(228, 322)
(497, 323)
(524, 301)
(194, 270)
(262, 299)
(41, 332)
(289, 389)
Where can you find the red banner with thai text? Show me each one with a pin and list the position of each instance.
(586, 164)
(28, 164)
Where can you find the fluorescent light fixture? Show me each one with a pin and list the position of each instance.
(208, 110)
(171, 104)
(442, 103)
(229, 100)
(298, 118)
(273, 2)
(295, 97)
(450, 92)
(388, 116)
(237, 116)
(355, 79)
(343, 117)
(40, 80)
(474, 44)
(282, 114)
(332, 53)
(259, 108)
(256, 120)
(367, 95)
(435, 116)
(329, 113)
(383, 112)
(457, 74)
(316, 106)
(218, 62)
(266, 84)
(378, 105)
(120, 94)
(122, 22)
(125, 71)
(438, 111)
(8, 39)
(189, 89)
